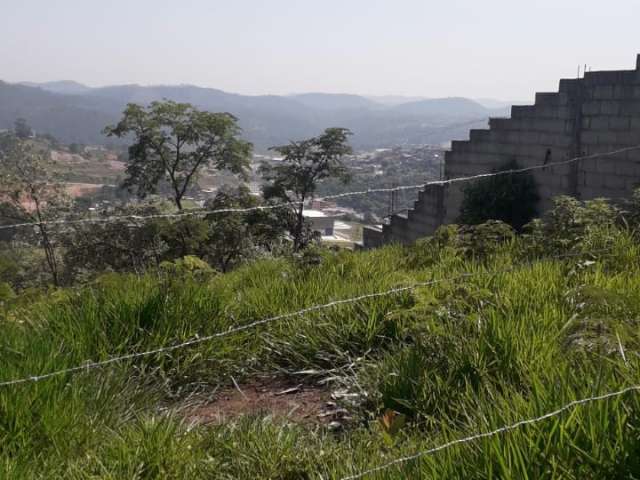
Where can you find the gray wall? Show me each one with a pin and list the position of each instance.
(595, 114)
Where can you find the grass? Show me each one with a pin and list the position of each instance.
(522, 337)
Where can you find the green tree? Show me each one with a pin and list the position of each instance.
(123, 245)
(174, 142)
(30, 194)
(21, 129)
(510, 198)
(305, 164)
(235, 236)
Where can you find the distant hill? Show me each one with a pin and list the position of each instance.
(75, 113)
(331, 101)
(492, 103)
(444, 107)
(392, 100)
(65, 87)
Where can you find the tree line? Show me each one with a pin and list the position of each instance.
(171, 145)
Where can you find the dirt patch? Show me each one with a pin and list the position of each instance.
(117, 165)
(275, 397)
(76, 190)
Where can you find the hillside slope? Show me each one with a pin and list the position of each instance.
(79, 115)
(503, 330)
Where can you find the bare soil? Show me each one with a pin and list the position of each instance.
(268, 397)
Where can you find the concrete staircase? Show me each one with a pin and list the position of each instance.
(595, 114)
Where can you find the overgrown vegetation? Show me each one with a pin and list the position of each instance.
(510, 331)
(510, 198)
(173, 143)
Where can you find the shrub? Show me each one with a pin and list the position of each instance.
(509, 198)
(571, 224)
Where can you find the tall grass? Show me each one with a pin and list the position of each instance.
(456, 358)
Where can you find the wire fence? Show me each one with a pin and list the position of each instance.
(507, 428)
(200, 212)
(202, 339)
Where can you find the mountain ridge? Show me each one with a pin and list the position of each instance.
(76, 113)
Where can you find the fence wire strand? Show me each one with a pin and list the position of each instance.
(118, 218)
(497, 431)
(198, 340)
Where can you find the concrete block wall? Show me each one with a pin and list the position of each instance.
(595, 114)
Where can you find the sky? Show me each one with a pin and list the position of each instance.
(504, 49)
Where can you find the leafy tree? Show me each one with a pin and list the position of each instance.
(509, 198)
(76, 148)
(174, 142)
(234, 236)
(29, 194)
(21, 129)
(125, 245)
(304, 165)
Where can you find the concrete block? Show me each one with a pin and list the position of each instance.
(591, 108)
(614, 182)
(555, 140)
(460, 146)
(603, 78)
(628, 137)
(501, 124)
(603, 92)
(631, 77)
(552, 98)
(522, 111)
(589, 137)
(530, 137)
(550, 125)
(606, 165)
(627, 168)
(599, 123)
(549, 111)
(569, 85)
(610, 107)
(632, 184)
(631, 107)
(619, 123)
(591, 192)
(478, 135)
(505, 136)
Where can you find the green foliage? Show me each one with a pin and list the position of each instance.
(29, 194)
(6, 293)
(462, 241)
(295, 179)
(21, 129)
(504, 333)
(509, 198)
(174, 142)
(572, 224)
(124, 245)
(187, 266)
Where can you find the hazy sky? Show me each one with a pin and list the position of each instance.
(493, 48)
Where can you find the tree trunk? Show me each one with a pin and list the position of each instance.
(50, 255)
(297, 236)
(47, 246)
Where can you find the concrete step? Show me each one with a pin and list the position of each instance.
(479, 135)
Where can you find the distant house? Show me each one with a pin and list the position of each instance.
(320, 222)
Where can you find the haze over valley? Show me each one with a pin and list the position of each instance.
(74, 113)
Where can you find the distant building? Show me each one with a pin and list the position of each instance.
(320, 222)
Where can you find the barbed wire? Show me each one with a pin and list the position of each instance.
(571, 405)
(198, 340)
(199, 212)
